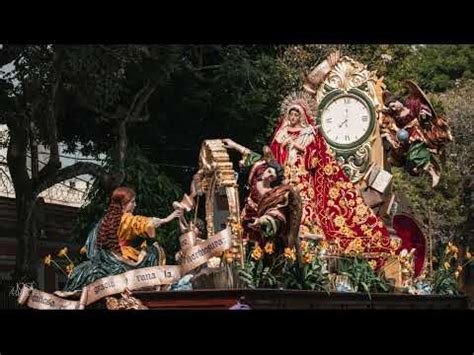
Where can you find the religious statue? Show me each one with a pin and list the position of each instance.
(109, 246)
(407, 262)
(272, 209)
(332, 206)
(415, 132)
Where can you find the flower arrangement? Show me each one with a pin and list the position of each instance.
(450, 264)
(265, 268)
(62, 253)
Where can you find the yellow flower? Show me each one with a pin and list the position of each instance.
(257, 253)
(339, 221)
(328, 169)
(314, 162)
(333, 192)
(346, 230)
(342, 203)
(368, 232)
(229, 256)
(373, 264)
(301, 170)
(361, 210)
(290, 254)
(450, 248)
(62, 252)
(363, 227)
(351, 203)
(380, 224)
(359, 200)
(269, 248)
(307, 258)
(324, 244)
(456, 274)
(83, 250)
(468, 255)
(330, 203)
(69, 268)
(311, 193)
(47, 260)
(355, 246)
(447, 265)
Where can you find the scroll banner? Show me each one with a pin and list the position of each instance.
(187, 240)
(134, 279)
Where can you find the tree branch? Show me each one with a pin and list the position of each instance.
(16, 153)
(54, 163)
(139, 102)
(70, 172)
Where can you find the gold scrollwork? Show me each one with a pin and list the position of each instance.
(218, 176)
(349, 74)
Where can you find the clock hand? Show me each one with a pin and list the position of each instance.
(345, 121)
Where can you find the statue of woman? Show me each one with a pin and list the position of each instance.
(332, 208)
(109, 246)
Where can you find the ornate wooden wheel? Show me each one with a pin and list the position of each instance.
(219, 185)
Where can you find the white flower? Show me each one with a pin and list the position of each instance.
(214, 262)
(387, 58)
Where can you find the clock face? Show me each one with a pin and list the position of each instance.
(346, 120)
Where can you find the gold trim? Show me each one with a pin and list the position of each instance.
(218, 173)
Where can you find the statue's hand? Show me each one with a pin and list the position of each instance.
(229, 143)
(286, 142)
(175, 214)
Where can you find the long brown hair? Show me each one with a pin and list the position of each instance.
(108, 238)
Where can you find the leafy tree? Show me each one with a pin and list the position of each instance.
(72, 94)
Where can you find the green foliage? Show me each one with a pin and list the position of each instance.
(362, 276)
(450, 262)
(155, 195)
(281, 271)
(441, 210)
(306, 276)
(261, 273)
(234, 91)
(444, 283)
(448, 207)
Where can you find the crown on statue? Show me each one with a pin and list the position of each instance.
(302, 99)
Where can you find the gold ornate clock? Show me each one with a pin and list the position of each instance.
(349, 99)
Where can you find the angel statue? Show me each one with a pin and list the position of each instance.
(416, 133)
